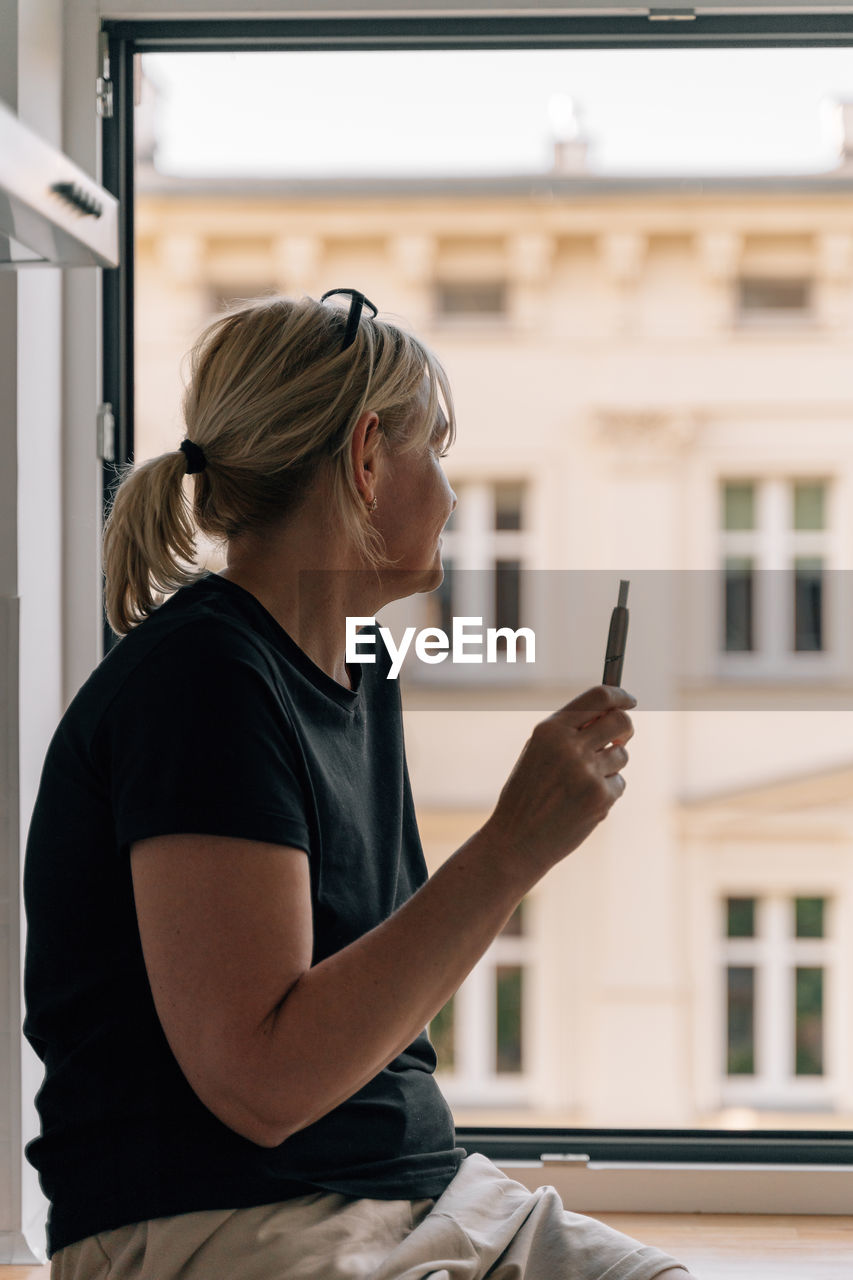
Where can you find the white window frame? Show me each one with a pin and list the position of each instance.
(773, 546)
(774, 952)
(474, 1083)
(474, 547)
(474, 542)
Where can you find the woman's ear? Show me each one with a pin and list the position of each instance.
(364, 453)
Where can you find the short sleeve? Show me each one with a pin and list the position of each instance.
(199, 740)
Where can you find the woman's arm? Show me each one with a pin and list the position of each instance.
(268, 1042)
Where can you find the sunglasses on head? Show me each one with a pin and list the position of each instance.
(357, 304)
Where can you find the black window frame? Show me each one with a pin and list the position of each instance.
(135, 36)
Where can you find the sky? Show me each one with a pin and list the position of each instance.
(641, 111)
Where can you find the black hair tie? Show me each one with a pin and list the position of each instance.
(194, 454)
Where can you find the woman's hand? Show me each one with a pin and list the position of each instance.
(565, 780)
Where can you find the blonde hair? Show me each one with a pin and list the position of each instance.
(271, 400)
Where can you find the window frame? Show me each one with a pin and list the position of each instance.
(774, 953)
(769, 318)
(709, 1155)
(774, 546)
(474, 548)
(475, 1080)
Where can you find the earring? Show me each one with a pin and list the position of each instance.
(371, 506)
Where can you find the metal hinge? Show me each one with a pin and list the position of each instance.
(106, 432)
(104, 85)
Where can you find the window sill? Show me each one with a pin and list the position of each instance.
(640, 1187)
(681, 1171)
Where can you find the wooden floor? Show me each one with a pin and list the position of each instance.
(714, 1246)
(720, 1246)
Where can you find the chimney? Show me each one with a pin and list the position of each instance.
(569, 155)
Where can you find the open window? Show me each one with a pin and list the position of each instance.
(649, 349)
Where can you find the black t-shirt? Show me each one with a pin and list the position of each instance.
(208, 718)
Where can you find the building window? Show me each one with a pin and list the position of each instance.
(775, 975)
(509, 505)
(486, 549)
(775, 550)
(481, 1036)
(470, 300)
(770, 299)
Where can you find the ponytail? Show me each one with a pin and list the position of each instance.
(149, 544)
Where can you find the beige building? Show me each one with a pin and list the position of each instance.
(653, 380)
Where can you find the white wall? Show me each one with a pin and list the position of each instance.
(30, 450)
(34, 520)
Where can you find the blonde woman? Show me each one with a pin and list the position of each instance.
(233, 947)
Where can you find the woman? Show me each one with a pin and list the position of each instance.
(233, 948)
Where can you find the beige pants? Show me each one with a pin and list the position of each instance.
(483, 1225)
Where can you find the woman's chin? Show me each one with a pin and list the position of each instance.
(410, 582)
(428, 578)
(435, 577)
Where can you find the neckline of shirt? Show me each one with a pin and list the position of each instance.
(349, 699)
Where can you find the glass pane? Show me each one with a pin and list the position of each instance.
(809, 917)
(739, 603)
(740, 917)
(739, 505)
(775, 295)
(808, 604)
(509, 992)
(508, 505)
(740, 1005)
(442, 1033)
(471, 297)
(809, 1028)
(508, 601)
(809, 504)
(226, 201)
